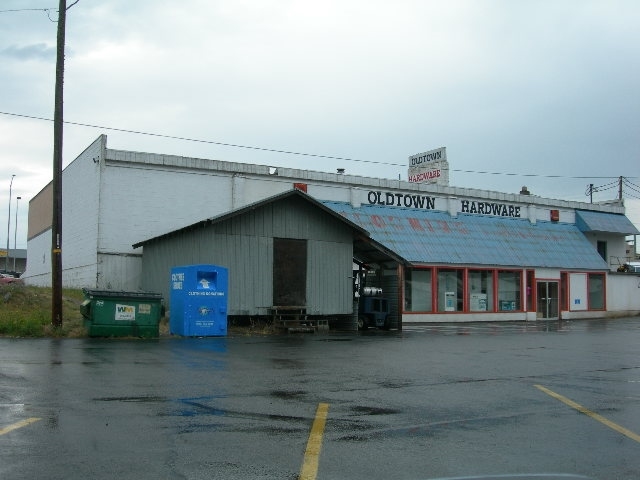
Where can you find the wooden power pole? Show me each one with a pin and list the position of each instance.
(56, 224)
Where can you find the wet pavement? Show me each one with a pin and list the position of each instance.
(436, 401)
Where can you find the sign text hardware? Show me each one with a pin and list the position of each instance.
(489, 208)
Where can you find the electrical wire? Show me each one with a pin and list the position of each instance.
(600, 188)
(290, 152)
(630, 185)
(45, 10)
(27, 10)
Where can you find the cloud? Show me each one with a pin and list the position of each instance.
(36, 51)
(535, 86)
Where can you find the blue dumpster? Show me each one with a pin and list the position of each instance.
(198, 296)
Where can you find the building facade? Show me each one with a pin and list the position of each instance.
(439, 253)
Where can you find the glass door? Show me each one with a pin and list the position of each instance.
(547, 300)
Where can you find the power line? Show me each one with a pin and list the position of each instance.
(210, 142)
(27, 10)
(45, 10)
(290, 152)
(631, 185)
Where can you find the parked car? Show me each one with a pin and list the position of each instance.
(5, 279)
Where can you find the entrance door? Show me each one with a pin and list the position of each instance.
(547, 300)
(289, 272)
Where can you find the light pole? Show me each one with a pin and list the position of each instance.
(15, 236)
(6, 259)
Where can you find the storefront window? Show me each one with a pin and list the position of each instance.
(596, 291)
(418, 291)
(450, 290)
(509, 284)
(480, 290)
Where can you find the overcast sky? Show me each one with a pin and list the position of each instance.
(532, 88)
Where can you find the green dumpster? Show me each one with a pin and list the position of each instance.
(110, 313)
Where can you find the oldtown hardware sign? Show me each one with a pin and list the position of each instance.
(424, 202)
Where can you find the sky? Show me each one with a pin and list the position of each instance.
(541, 93)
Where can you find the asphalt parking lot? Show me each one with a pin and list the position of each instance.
(439, 401)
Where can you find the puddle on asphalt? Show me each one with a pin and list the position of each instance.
(284, 394)
(140, 399)
(364, 410)
(287, 363)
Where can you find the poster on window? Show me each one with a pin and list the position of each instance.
(478, 302)
(450, 301)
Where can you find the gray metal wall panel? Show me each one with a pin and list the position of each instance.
(391, 289)
(114, 272)
(329, 294)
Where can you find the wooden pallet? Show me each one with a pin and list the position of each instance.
(294, 319)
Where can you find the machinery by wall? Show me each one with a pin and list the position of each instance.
(373, 307)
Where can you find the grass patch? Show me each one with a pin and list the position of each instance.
(25, 311)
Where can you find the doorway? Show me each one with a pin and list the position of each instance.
(289, 272)
(547, 300)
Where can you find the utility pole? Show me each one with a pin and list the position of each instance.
(6, 259)
(56, 224)
(620, 189)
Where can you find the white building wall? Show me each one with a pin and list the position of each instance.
(616, 247)
(141, 203)
(547, 274)
(80, 201)
(251, 189)
(623, 294)
(38, 271)
(119, 272)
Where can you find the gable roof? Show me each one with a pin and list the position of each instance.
(366, 249)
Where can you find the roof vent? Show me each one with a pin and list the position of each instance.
(525, 191)
(341, 171)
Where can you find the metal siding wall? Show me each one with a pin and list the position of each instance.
(390, 290)
(244, 245)
(118, 272)
(248, 258)
(329, 283)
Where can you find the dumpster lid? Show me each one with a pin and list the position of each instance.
(122, 294)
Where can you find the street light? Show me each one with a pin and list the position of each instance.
(15, 235)
(6, 259)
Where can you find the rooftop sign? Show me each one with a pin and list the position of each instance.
(429, 167)
(439, 154)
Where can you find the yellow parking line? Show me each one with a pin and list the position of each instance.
(312, 454)
(17, 425)
(594, 415)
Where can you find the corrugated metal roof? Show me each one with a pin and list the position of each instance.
(434, 237)
(588, 221)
